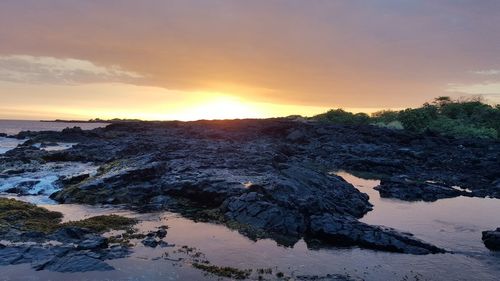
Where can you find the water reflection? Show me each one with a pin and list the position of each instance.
(453, 223)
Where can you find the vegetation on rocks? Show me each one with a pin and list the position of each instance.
(340, 116)
(229, 272)
(104, 223)
(28, 217)
(25, 216)
(457, 118)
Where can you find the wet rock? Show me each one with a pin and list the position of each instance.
(251, 209)
(116, 252)
(150, 242)
(74, 179)
(491, 239)
(32, 236)
(164, 244)
(409, 190)
(23, 188)
(65, 258)
(160, 202)
(70, 234)
(36, 229)
(92, 243)
(345, 231)
(75, 262)
(161, 233)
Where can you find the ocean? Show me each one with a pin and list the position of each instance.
(13, 127)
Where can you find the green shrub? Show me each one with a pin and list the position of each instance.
(418, 119)
(458, 118)
(339, 116)
(385, 116)
(394, 125)
(456, 128)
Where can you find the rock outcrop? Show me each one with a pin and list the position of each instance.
(273, 176)
(406, 189)
(491, 239)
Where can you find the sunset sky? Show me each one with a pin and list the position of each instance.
(192, 59)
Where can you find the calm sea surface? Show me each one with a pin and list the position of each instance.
(12, 127)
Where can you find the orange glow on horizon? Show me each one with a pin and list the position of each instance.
(126, 101)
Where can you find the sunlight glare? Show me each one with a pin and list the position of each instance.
(219, 107)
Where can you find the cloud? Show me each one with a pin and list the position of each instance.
(51, 70)
(489, 90)
(320, 53)
(487, 72)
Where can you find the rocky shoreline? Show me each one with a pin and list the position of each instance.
(36, 236)
(266, 178)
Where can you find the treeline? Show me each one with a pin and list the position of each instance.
(458, 118)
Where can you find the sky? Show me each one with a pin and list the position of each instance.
(194, 59)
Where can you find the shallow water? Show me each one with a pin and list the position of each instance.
(7, 144)
(454, 224)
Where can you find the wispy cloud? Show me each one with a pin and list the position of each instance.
(51, 70)
(488, 72)
(490, 90)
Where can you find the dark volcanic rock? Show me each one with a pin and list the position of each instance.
(345, 231)
(74, 262)
(74, 180)
(271, 175)
(36, 235)
(23, 188)
(161, 232)
(70, 234)
(406, 189)
(150, 242)
(491, 239)
(92, 243)
(61, 258)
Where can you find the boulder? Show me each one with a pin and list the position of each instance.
(75, 262)
(403, 188)
(150, 242)
(92, 243)
(491, 239)
(23, 188)
(70, 234)
(345, 231)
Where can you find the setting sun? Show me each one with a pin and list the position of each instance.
(219, 107)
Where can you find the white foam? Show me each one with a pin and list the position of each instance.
(46, 175)
(58, 146)
(7, 144)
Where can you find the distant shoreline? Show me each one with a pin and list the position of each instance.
(70, 121)
(90, 121)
